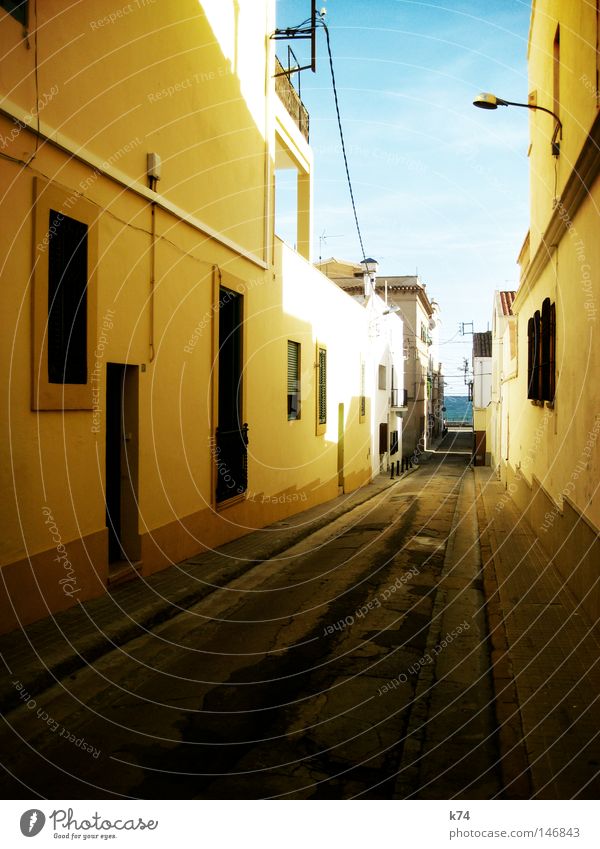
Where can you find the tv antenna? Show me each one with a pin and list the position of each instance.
(323, 241)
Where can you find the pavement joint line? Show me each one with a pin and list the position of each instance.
(514, 761)
(122, 627)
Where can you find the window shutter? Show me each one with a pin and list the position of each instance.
(530, 356)
(534, 389)
(545, 351)
(322, 389)
(293, 363)
(293, 380)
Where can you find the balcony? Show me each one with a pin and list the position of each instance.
(399, 398)
(291, 99)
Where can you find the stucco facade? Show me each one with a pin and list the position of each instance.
(422, 420)
(550, 462)
(190, 303)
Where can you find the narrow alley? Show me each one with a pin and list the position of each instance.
(354, 664)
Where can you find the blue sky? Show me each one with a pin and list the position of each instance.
(440, 187)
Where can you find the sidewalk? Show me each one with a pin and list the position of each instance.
(44, 652)
(545, 657)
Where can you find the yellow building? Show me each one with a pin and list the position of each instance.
(175, 375)
(552, 422)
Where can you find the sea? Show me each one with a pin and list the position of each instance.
(458, 409)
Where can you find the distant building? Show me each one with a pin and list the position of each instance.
(422, 414)
(482, 396)
(383, 397)
(504, 366)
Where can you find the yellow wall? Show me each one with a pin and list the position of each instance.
(190, 86)
(553, 465)
(548, 442)
(578, 98)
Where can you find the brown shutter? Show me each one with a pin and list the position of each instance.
(545, 352)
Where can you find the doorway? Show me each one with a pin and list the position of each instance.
(121, 490)
(232, 431)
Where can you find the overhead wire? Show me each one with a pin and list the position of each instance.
(341, 131)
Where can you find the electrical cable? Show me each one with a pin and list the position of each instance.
(339, 120)
(37, 84)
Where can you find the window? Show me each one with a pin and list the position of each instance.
(541, 342)
(382, 377)
(65, 368)
(293, 380)
(67, 300)
(16, 8)
(321, 389)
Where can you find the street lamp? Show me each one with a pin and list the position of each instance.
(485, 100)
(370, 267)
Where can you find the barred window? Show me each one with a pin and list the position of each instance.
(293, 380)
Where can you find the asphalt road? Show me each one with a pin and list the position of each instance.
(355, 665)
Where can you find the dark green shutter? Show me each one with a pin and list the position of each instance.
(322, 386)
(293, 363)
(293, 380)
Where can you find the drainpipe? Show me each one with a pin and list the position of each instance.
(152, 277)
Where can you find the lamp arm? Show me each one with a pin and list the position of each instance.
(531, 106)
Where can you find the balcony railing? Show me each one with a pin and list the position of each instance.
(291, 99)
(399, 398)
